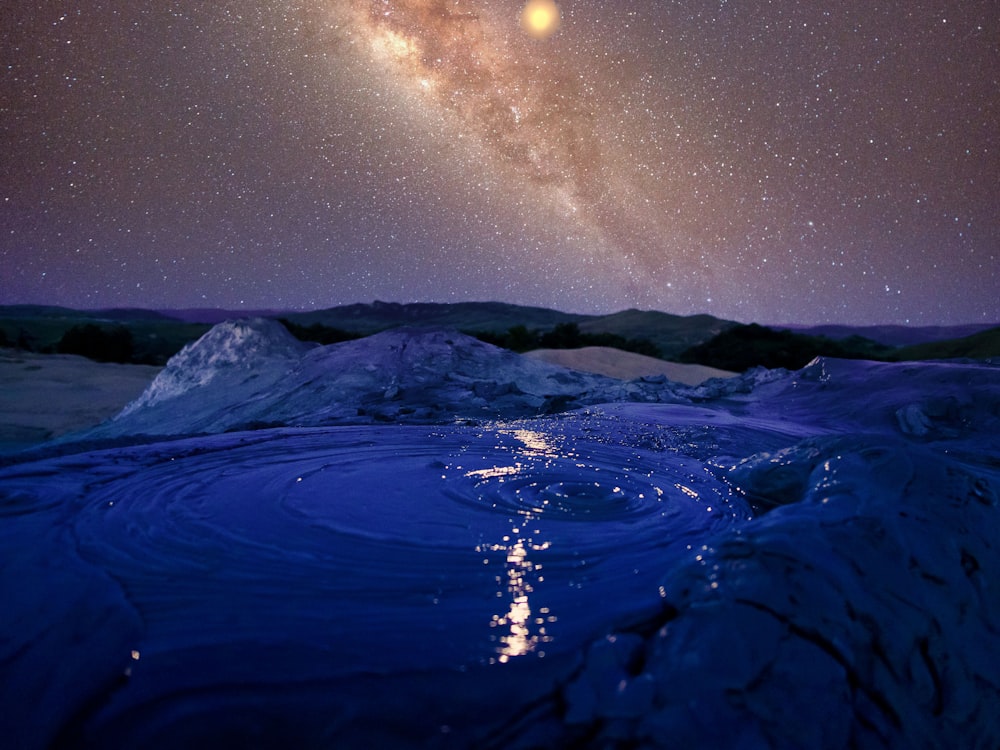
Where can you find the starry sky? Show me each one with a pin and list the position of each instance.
(778, 161)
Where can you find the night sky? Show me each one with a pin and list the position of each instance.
(769, 160)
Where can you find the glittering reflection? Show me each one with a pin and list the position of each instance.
(522, 633)
(539, 443)
(573, 492)
(545, 479)
(530, 446)
(687, 491)
(496, 472)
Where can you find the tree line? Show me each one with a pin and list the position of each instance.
(563, 336)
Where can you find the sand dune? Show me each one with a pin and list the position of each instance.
(43, 396)
(616, 363)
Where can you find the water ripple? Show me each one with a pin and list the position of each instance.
(374, 550)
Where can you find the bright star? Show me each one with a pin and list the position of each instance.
(540, 18)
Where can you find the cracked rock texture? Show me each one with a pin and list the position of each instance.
(863, 611)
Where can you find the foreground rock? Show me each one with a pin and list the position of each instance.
(864, 612)
(859, 609)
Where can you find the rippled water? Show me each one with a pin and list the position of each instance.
(474, 542)
(322, 554)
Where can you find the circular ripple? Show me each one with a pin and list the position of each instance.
(577, 499)
(583, 494)
(312, 555)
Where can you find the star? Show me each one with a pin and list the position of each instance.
(540, 18)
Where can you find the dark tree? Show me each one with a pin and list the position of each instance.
(25, 341)
(100, 344)
(741, 347)
(520, 339)
(563, 336)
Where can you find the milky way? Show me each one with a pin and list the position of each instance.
(768, 161)
(541, 124)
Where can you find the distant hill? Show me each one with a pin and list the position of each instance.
(700, 339)
(892, 335)
(40, 328)
(17, 312)
(213, 315)
(741, 347)
(465, 316)
(672, 334)
(51, 312)
(38, 311)
(982, 345)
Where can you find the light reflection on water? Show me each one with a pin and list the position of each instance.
(542, 483)
(539, 444)
(563, 498)
(523, 633)
(572, 508)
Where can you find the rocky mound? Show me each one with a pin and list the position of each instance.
(252, 373)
